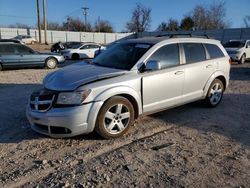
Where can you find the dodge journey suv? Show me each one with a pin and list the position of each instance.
(134, 77)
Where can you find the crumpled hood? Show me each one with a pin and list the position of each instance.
(71, 77)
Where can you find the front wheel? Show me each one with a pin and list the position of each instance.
(115, 117)
(215, 93)
(51, 63)
(242, 59)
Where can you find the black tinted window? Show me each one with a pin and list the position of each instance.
(167, 55)
(194, 52)
(214, 51)
(6, 49)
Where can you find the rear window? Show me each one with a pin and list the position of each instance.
(194, 52)
(214, 51)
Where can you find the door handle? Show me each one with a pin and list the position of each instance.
(209, 66)
(179, 72)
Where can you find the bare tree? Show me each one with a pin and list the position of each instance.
(247, 21)
(140, 20)
(53, 26)
(19, 25)
(210, 17)
(103, 26)
(217, 15)
(199, 16)
(75, 24)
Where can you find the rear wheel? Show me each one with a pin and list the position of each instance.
(75, 56)
(115, 117)
(51, 63)
(215, 93)
(242, 59)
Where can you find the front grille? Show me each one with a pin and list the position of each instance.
(42, 100)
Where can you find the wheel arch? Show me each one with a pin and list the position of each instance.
(125, 92)
(219, 75)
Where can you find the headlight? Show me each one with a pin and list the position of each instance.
(72, 98)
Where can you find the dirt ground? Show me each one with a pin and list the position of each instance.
(188, 146)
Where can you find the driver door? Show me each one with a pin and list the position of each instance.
(163, 88)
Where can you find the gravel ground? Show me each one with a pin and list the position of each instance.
(188, 146)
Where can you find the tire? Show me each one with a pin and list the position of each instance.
(115, 118)
(1, 67)
(215, 93)
(75, 56)
(51, 63)
(242, 59)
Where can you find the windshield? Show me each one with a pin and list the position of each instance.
(122, 55)
(235, 44)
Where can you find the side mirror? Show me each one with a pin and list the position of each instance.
(153, 65)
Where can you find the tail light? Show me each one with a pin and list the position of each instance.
(230, 61)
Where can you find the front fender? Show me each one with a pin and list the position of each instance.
(121, 90)
(211, 79)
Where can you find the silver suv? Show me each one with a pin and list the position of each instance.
(131, 78)
(238, 50)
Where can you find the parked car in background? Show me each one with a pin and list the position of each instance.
(81, 51)
(14, 55)
(238, 50)
(134, 77)
(11, 40)
(59, 46)
(26, 39)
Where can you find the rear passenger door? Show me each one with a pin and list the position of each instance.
(8, 57)
(198, 69)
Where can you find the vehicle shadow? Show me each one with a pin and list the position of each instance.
(14, 126)
(240, 72)
(230, 119)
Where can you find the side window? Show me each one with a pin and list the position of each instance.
(84, 47)
(194, 52)
(6, 49)
(214, 51)
(92, 46)
(19, 49)
(167, 55)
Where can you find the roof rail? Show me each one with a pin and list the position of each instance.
(184, 35)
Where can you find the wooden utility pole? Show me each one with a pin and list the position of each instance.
(38, 20)
(45, 22)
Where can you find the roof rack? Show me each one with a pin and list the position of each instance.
(184, 35)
